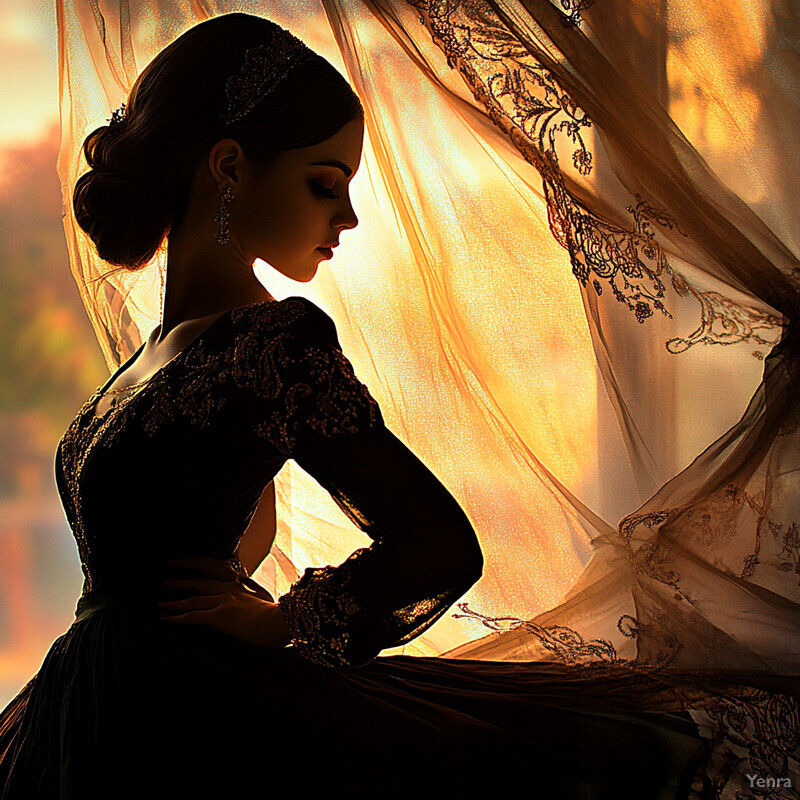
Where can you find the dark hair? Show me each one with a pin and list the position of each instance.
(141, 168)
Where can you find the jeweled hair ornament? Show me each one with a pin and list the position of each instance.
(117, 117)
(265, 66)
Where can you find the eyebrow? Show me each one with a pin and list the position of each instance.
(343, 167)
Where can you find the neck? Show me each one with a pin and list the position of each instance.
(203, 281)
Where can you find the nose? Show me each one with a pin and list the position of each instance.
(346, 218)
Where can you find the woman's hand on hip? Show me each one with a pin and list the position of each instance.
(221, 600)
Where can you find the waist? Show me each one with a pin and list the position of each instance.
(138, 591)
(91, 602)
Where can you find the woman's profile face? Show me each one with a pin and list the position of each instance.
(299, 204)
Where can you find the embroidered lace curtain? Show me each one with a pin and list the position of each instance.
(574, 292)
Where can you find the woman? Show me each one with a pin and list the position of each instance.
(238, 143)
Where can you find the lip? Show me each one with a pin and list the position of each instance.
(326, 251)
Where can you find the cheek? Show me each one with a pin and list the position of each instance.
(293, 221)
(278, 227)
(303, 219)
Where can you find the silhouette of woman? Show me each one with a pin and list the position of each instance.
(238, 142)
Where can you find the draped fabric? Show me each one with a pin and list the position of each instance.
(574, 293)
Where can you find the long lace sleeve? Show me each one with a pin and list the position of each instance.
(306, 403)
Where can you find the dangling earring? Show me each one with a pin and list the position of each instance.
(223, 215)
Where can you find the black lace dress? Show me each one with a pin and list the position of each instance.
(127, 706)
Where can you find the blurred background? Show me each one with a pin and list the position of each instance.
(50, 361)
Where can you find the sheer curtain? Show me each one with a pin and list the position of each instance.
(574, 292)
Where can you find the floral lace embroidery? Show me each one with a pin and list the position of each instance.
(790, 554)
(525, 101)
(726, 323)
(711, 523)
(752, 732)
(328, 399)
(563, 642)
(574, 7)
(317, 610)
(763, 726)
(75, 447)
(209, 374)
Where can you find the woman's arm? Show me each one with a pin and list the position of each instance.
(299, 398)
(424, 557)
(425, 540)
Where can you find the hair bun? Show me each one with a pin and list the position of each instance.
(114, 202)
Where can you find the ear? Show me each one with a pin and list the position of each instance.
(226, 162)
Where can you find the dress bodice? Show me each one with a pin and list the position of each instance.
(162, 474)
(177, 467)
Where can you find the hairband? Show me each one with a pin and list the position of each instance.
(265, 66)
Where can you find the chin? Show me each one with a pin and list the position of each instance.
(307, 276)
(297, 274)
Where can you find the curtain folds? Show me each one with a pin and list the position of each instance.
(682, 547)
(574, 290)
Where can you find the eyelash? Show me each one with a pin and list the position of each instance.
(322, 191)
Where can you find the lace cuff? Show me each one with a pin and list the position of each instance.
(318, 609)
(331, 627)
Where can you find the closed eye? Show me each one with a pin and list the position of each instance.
(323, 191)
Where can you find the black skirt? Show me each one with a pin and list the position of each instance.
(127, 706)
